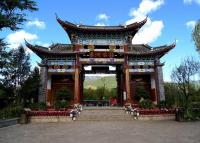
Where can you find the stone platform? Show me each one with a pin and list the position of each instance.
(104, 114)
(49, 119)
(118, 114)
(95, 113)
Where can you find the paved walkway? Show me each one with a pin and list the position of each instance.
(103, 132)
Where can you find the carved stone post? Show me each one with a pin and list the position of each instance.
(43, 82)
(153, 89)
(49, 100)
(160, 83)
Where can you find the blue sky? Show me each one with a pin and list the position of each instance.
(168, 21)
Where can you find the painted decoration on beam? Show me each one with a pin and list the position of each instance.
(101, 60)
(88, 41)
(61, 70)
(101, 54)
(141, 63)
(101, 50)
(141, 70)
(61, 62)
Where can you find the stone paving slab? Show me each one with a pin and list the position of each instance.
(103, 132)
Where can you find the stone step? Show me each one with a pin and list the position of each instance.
(104, 115)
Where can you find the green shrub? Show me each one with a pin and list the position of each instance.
(164, 104)
(146, 104)
(42, 106)
(195, 105)
(64, 94)
(61, 104)
(32, 105)
(141, 92)
(10, 112)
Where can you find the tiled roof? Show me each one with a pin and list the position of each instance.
(61, 48)
(145, 50)
(55, 49)
(70, 26)
(67, 49)
(139, 48)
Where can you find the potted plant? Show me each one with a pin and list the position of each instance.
(42, 106)
(146, 104)
(61, 105)
(64, 94)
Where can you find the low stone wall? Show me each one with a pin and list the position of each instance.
(157, 117)
(9, 122)
(49, 119)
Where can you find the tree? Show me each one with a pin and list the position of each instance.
(11, 16)
(4, 56)
(11, 12)
(90, 94)
(30, 88)
(141, 92)
(19, 67)
(112, 93)
(17, 70)
(103, 88)
(172, 94)
(196, 35)
(2, 44)
(100, 92)
(183, 75)
(3, 97)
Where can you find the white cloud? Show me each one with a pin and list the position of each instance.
(36, 23)
(102, 16)
(152, 29)
(150, 32)
(191, 24)
(187, 1)
(190, 1)
(100, 24)
(17, 38)
(145, 7)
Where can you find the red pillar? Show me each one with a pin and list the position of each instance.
(76, 86)
(127, 77)
(77, 76)
(127, 86)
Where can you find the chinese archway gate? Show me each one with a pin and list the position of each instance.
(100, 47)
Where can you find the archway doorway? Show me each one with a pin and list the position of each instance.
(101, 86)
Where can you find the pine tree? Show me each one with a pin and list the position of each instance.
(17, 70)
(30, 88)
(11, 12)
(196, 35)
